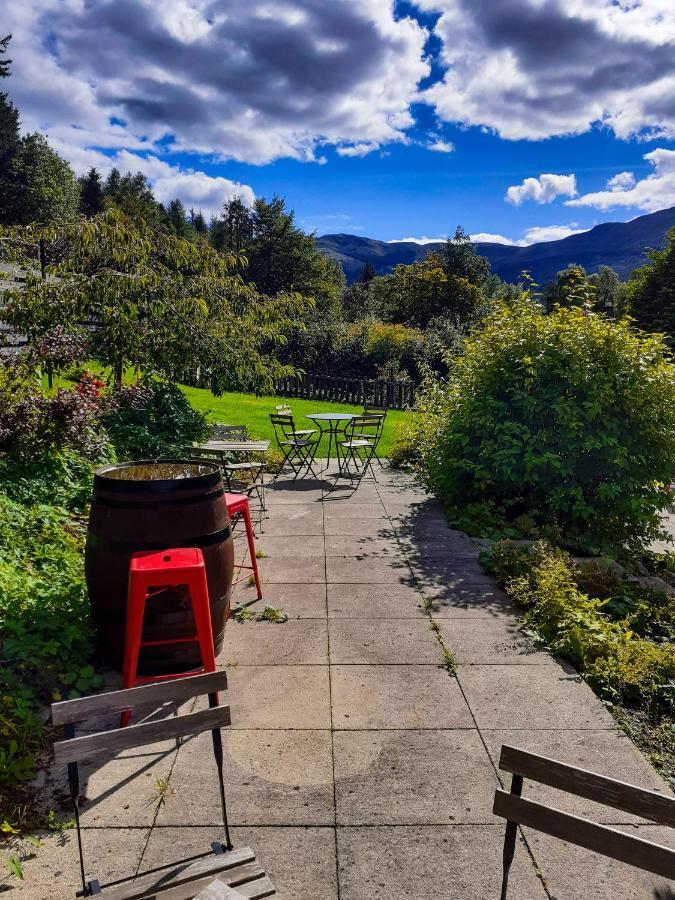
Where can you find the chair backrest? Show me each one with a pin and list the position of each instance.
(369, 425)
(284, 426)
(283, 409)
(517, 810)
(369, 408)
(229, 432)
(73, 748)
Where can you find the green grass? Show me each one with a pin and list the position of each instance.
(254, 412)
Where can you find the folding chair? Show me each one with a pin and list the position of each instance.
(184, 879)
(233, 472)
(375, 434)
(658, 808)
(298, 452)
(283, 409)
(361, 437)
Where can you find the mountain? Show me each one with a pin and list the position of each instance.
(620, 245)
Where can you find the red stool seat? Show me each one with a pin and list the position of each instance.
(149, 573)
(237, 504)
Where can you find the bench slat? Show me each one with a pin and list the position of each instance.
(258, 888)
(110, 742)
(205, 869)
(650, 805)
(608, 841)
(218, 890)
(178, 689)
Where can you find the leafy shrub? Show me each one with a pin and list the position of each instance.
(152, 419)
(618, 665)
(568, 418)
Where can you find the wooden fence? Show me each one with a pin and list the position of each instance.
(392, 394)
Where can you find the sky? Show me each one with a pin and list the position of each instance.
(521, 120)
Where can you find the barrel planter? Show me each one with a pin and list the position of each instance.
(156, 505)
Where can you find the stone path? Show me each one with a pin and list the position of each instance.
(357, 766)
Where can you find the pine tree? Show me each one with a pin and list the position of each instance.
(651, 291)
(367, 272)
(234, 231)
(198, 222)
(9, 143)
(5, 63)
(91, 193)
(175, 218)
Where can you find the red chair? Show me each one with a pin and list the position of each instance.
(238, 505)
(149, 574)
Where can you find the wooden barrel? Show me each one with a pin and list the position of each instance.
(155, 505)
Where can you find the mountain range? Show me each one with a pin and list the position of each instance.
(620, 245)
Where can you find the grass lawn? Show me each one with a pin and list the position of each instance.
(252, 411)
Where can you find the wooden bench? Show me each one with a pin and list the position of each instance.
(236, 871)
(517, 810)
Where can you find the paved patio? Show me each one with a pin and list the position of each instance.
(357, 766)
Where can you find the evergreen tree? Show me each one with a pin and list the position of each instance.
(367, 272)
(46, 188)
(198, 222)
(91, 193)
(610, 292)
(651, 291)
(461, 259)
(133, 196)
(9, 143)
(234, 230)
(176, 220)
(113, 184)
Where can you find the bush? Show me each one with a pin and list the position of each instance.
(152, 419)
(567, 419)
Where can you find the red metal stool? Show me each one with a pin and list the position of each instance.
(237, 504)
(149, 573)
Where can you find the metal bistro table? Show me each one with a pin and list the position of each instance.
(329, 423)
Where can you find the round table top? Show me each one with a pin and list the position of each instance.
(331, 416)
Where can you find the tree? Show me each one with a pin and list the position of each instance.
(176, 219)
(152, 301)
(572, 287)
(460, 259)
(651, 291)
(232, 233)
(9, 142)
(367, 272)
(92, 200)
(132, 195)
(44, 186)
(610, 292)
(198, 222)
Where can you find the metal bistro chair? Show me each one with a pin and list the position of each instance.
(361, 437)
(299, 452)
(234, 472)
(185, 878)
(517, 810)
(283, 409)
(381, 413)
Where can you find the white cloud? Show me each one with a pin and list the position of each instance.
(541, 233)
(622, 181)
(228, 79)
(486, 237)
(544, 189)
(356, 149)
(530, 69)
(441, 146)
(420, 240)
(656, 191)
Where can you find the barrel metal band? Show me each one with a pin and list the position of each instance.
(207, 540)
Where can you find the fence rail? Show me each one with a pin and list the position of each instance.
(392, 394)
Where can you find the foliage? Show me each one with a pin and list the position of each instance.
(92, 198)
(363, 348)
(44, 188)
(651, 291)
(156, 303)
(619, 665)
(151, 419)
(567, 419)
(9, 138)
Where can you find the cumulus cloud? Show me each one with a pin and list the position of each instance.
(656, 191)
(231, 79)
(544, 189)
(440, 146)
(356, 149)
(420, 240)
(536, 68)
(536, 235)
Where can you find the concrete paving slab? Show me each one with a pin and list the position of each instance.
(353, 570)
(272, 777)
(374, 601)
(375, 526)
(293, 493)
(294, 569)
(363, 546)
(412, 778)
(296, 519)
(372, 697)
(548, 697)
(468, 601)
(381, 642)
(606, 752)
(298, 601)
(279, 696)
(52, 871)
(297, 642)
(372, 510)
(486, 641)
(573, 873)
(454, 545)
(439, 862)
(278, 547)
(299, 860)
(436, 573)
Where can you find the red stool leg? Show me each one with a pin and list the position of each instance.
(133, 632)
(199, 597)
(251, 548)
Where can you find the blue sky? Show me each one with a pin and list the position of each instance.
(521, 119)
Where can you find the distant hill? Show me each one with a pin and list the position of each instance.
(620, 245)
